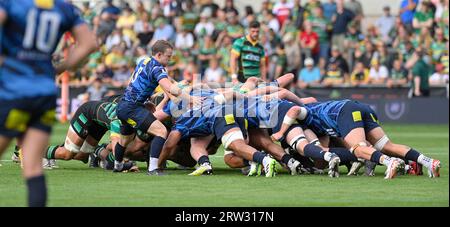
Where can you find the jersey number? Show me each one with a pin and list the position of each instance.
(136, 74)
(47, 30)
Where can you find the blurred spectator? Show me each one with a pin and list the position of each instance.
(126, 22)
(298, 14)
(97, 90)
(438, 47)
(385, 24)
(190, 17)
(321, 26)
(104, 73)
(205, 27)
(394, 32)
(282, 10)
(355, 7)
(423, 18)
(398, 75)
(140, 9)
(340, 20)
(121, 76)
(115, 39)
(310, 6)
(309, 42)
(248, 17)
(271, 21)
(214, 73)
(223, 54)
(293, 53)
(220, 23)
(234, 29)
(420, 72)
(407, 10)
(88, 13)
(111, 11)
(265, 7)
(340, 61)
(282, 64)
(117, 57)
(352, 41)
(378, 73)
(289, 27)
(360, 75)
(211, 7)
(163, 31)
(334, 74)
(329, 9)
(184, 40)
(365, 53)
(207, 50)
(385, 58)
(439, 77)
(143, 29)
(444, 59)
(423, 39)
(229, 7)
(309, 75)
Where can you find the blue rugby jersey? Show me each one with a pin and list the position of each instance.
(323, 116)
(29, 37)
(144, 80)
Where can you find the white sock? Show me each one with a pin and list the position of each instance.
(153, 164)
(327, 156)
(424, 160)
(386, 160)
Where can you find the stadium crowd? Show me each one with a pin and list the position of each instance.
(322, 43)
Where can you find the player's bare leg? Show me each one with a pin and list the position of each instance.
(234, 140)
(260, 140)
(356, 142)
(34, 144)
(200, 154)
(381, 142)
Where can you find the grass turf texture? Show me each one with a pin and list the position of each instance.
(74, 184)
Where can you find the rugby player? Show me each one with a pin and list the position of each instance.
(356, 123)
(149, 73)
(31, 31)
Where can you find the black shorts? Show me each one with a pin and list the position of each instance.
(83, 125)
(134, 116)
(229, 121)
(16, 116)
(356, 115)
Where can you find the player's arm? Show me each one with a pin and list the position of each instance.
(86, 44)
(234, 57)
(162, 110)
(173, 89)
(169, 147)
(3, 15)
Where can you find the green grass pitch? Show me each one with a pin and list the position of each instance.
(74, 184)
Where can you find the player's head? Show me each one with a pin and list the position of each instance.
(253, 30)
(162, 51)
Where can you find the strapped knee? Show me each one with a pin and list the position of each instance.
(228, 138)
(379, 145)
(315, 142)
(87, 148)
(70, 146)
(354, 147)
(293, 142)
(288, 120)
(303, 113)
